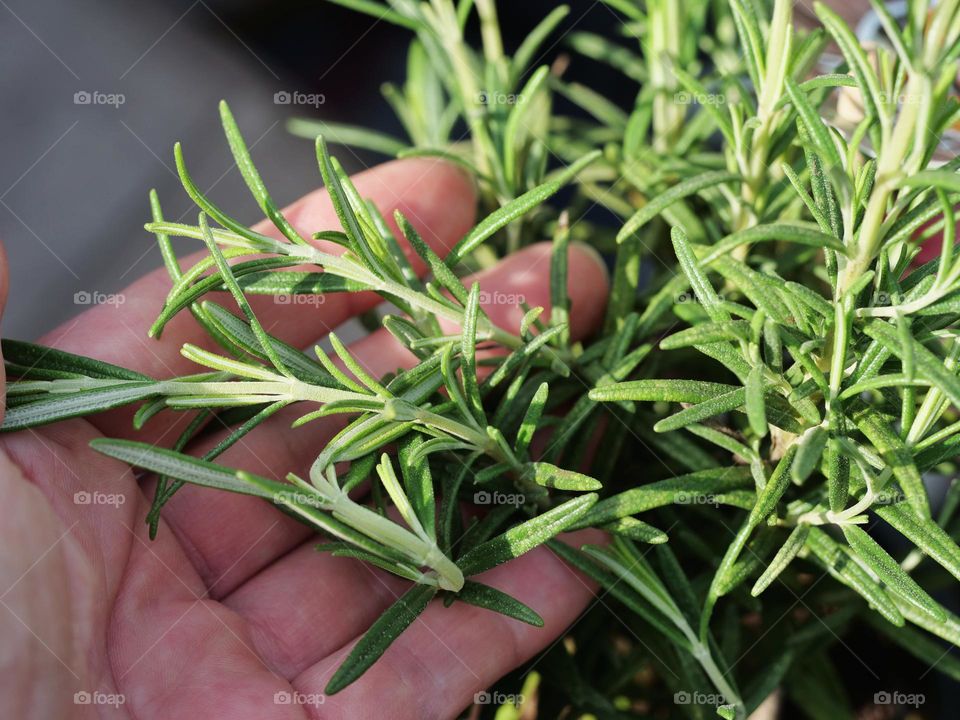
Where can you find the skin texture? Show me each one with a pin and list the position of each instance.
(232, 605)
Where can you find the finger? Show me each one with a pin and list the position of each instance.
(474, 647)
(437, 197)
(289, 645)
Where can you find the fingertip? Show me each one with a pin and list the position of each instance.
(588, 285)
(436, 196)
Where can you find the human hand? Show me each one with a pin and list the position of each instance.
(231, 612)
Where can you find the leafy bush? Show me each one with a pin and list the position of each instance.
(781, 381)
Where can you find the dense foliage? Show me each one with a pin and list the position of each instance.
(779, 382)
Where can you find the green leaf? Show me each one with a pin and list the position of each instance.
(756, 405)
(929, 366)
(515, 209)
(490, 598)
(189, 469)
(693, 488)
(785, 555)
(698, 281)
(250, 175)
(418, 482)
(630, 527)
(944, 179)
(665, 199)
(349, 135)
(811, 448)
(551, 476)
(441, 272)
(534, 40)
(897, 456)
(685, 391)
(526, 536)
(878, 561)
(468, 355)
(927, 535)
(531, 420)
(815, 126)
(231, 283)
(856, 58)
(55, 407)
(706, 333)
(776, 486)
(43, 363)
(839, 562)
(394, 620)
(726, 402)
(379, 11)
(776, 232)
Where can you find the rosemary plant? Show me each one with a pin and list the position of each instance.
(784, 381)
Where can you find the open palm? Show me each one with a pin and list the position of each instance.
(231, 613)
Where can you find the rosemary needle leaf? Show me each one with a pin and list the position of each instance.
(184, 467)
(55, 407)
(515, 209)
(879, 562)
(665, 199)
(45, 363)
(490, 598)
(787, 552)
(526, 536)
(839, 562)
(249, 172)
(551, 476)
(395, 619)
